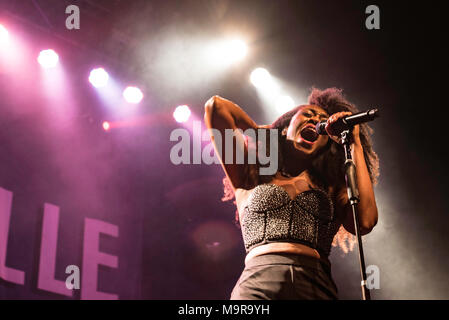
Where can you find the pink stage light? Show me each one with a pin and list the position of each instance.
(48, 58)
(106, 126)
(98, 78)
(133, 95)
(4, 35)
(182, 113)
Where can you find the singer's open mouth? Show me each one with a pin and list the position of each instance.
(309, 134)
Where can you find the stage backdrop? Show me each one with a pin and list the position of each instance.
(67, 210)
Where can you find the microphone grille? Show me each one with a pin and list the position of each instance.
(320, 127)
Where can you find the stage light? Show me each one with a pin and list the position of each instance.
(226, 52)
(182, 113)
(235, 50)
(48, 58)
(106, 126)
(284, 104)
(4, 35)
(133, 95)
(98, 77)
(261, 78)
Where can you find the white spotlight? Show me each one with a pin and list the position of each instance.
(284, 104)
(48, 58)
(106, 126)
(236, 50)
(261, 78)
(98, 78)
(227, 52)
(133, 95)
(182, 113)
(4, 35)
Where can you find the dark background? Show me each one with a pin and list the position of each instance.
(179, 240)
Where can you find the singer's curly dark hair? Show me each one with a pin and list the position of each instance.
(327, 168)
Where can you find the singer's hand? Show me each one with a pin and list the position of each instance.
(335, 126)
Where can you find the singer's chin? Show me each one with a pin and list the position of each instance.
(304, 146)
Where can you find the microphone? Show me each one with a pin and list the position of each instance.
(351, 120)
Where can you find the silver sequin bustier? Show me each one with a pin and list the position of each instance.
(271, 216)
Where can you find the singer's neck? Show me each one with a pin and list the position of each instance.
(293, 166)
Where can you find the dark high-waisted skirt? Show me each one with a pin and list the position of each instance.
(283, 276)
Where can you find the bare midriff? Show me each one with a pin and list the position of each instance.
(282, 247)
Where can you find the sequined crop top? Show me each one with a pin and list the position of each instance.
(271, 216)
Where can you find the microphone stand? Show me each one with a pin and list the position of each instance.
(353, 196)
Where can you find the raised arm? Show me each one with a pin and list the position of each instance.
(221, 114)
(367, 208)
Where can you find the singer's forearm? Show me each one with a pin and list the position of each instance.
(367, 208)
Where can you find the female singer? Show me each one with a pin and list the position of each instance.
(290, 219)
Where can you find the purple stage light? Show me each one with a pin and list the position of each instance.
(98, 78)
(48, 58)
(133, 95)
(4, 35)
(182, 113)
